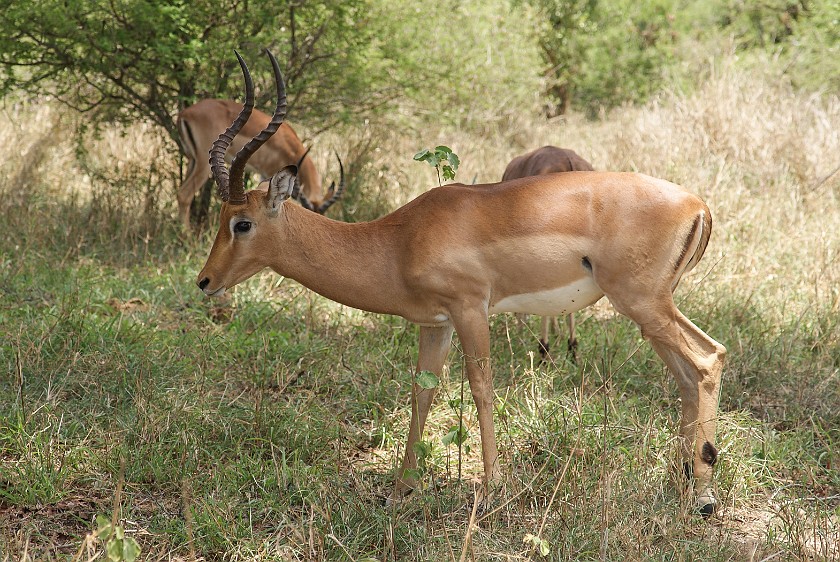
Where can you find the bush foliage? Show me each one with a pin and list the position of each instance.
(343, 60)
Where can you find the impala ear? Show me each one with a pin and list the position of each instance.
(280, 187)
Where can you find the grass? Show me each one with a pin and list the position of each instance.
(274, 434)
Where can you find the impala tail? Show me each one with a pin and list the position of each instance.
(695, 245)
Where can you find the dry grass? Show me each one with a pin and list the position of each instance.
(769, 288)
(755, 149)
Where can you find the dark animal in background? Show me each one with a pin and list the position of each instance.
(548, 160)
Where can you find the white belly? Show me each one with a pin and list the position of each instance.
(553, 302)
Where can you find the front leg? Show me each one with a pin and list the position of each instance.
(474, 333)
(433, 349)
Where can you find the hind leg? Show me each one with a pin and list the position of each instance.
(696, 362)
(570, 323)
(198, 172)
(544, 332)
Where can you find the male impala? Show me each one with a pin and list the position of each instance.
(546, 245)
(200, 124)
(548, 160)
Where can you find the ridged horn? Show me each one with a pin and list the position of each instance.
(336, 193)
(220, 145)
(237, 168)
(296, 192)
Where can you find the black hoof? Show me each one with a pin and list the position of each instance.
(707, 510)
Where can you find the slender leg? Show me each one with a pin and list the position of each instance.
(433, 349)
(198, 172)
(544, 347)
(696, 361)
(474, 334)
(570, 322)
(642, 289)
(546, 328)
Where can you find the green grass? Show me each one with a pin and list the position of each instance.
(278, 431)
(274, 433)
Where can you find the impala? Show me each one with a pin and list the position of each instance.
(548, 160)
(547, 245)
(200, 124)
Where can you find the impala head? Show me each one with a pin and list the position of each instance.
(251, 223)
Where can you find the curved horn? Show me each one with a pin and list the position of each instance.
(221, 144)
(304, 201)
(296, 192)
(304, 156)
(336, 193)
(237, 168)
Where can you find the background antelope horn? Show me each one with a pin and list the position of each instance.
(336, 193)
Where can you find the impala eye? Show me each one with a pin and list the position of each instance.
(242, 226)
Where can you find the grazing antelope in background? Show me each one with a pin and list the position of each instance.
(547, 245)
(548, 160)
(200, 124)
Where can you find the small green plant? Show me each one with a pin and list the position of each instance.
(118, 547)
(540, 544)
(427, 379)
(423, 449)
(458, 435)
(442, 159)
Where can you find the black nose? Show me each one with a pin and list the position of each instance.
(203, 283)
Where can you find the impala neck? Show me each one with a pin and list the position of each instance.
(351, 263)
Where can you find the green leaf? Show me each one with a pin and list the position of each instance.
(544, 548)
(420, 156)
(114, 550)
(500, 407)
(454, 161)
(413, 473)
(427, 379)
(443, 151)
(131, 550)
(457, 435)
(448, 172)
(541, 544)
(103, 526)
(422, 449)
